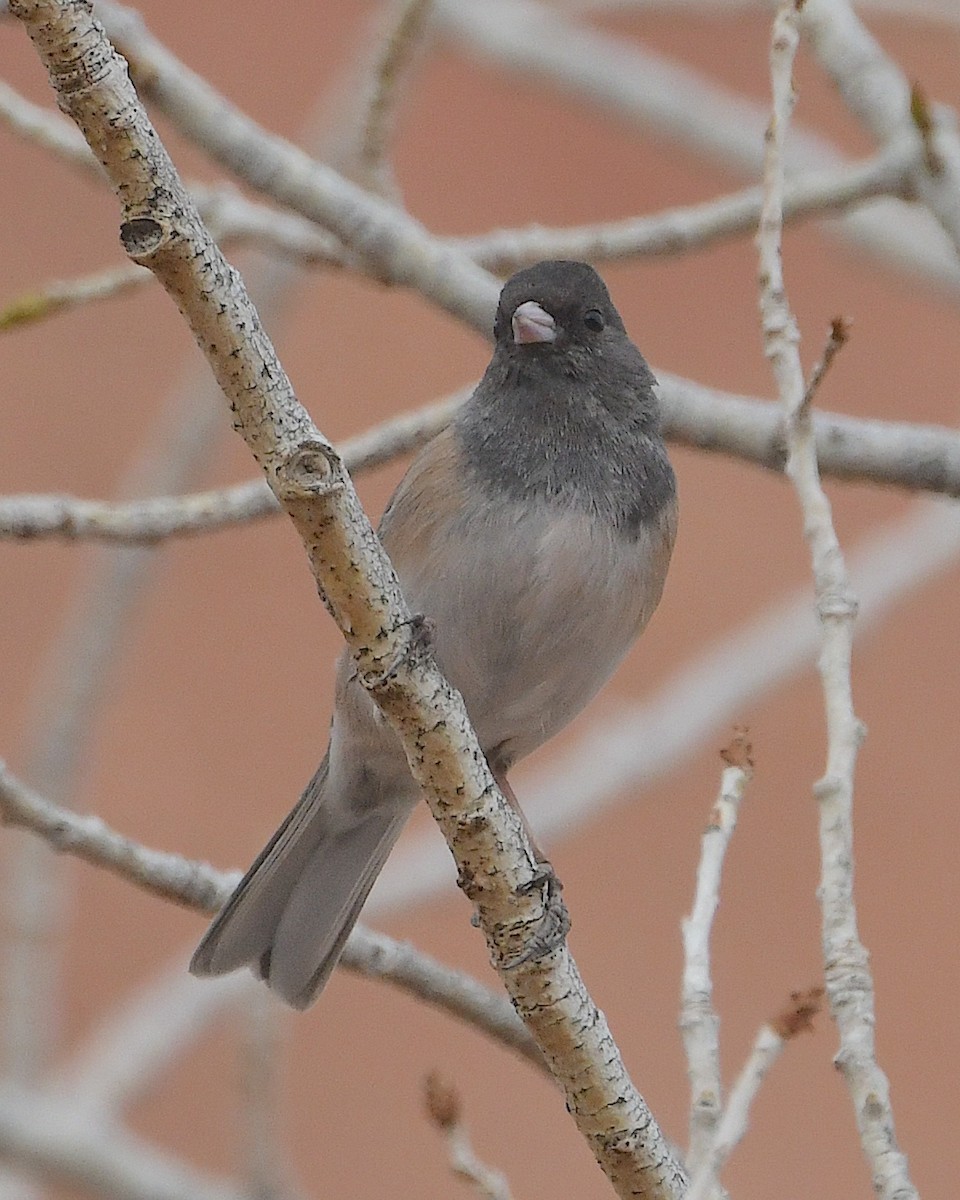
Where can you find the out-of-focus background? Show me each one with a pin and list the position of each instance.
(212, 710)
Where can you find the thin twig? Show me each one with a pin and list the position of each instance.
(693, 227)
(170, 876)
(880, 95)
(148, 521)
(397, 50)
(846, 963)
(681, 105)
(699, 1022)
(393, 247)
(48, 129)
(838, 337)
(235, 219)
(445, 1110)
(62, 295)
(770, 1041)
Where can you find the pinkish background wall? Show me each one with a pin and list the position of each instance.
(218, 707)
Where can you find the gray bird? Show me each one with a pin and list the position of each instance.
(534, 534)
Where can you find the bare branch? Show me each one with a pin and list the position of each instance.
(198, 885)
(398, 47)
(652, 91)
(62, 295)
(232, 219)
(878, 92)
(162, 230)
(692, 227)
(846, 963)
(767, 1048)
(699, 1022)
(390, 245)
(47, 129)
(919, 457)
(171, 876)
(375, 955)
(445, 1110)
(49, 1139)
(837, 339)
(146, 521)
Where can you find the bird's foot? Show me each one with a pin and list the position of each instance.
(548, 933)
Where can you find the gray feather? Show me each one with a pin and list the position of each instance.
(535, 535)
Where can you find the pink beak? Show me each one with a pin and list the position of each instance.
(531, 323)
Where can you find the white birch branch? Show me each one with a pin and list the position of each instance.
(232, 218)
(390, 245)
(679, 103)
(162, 230)
(154, 519)
(846, 965)
(60, 295)
(397, 49)
(445, 1110)
(733, 1124)
(877, 91)
(699, 1023)
(896, 453)
(48, 130)
(198, 885)
(222, 205)
(684, 228)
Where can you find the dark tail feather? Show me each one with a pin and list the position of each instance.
(293, 910)
(324, 906)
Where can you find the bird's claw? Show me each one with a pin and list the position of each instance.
(551, 929)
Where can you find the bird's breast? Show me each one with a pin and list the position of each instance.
(533, 606)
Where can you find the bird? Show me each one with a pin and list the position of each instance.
(533, 535)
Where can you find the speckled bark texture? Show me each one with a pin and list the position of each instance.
(161, 229)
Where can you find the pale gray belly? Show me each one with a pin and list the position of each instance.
(532, 614)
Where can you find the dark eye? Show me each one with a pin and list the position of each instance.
(593, 319)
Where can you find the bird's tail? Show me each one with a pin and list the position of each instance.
(292, 912)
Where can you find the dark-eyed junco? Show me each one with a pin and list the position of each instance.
(534, 534)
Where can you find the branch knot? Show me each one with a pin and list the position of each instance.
(142, 237)
(313, 469)
(837, 605)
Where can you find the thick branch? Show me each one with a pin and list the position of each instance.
(390, 245)
(198, 885)
(918, 457)
(162, 230)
